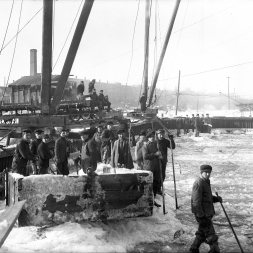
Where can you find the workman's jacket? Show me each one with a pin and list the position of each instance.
(202, 199)
(34, 146)
(121, 154)
(22, 154)
(61, 150)
(107, 137)
(44, 155)
(150, 160)
(89, 155)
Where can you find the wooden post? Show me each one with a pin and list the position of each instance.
(46, 55)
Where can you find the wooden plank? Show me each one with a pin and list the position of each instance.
(8, 219)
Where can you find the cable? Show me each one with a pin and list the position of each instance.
(68, 34)
(132, 49)
(210, 70)
(7, 26)
(13, 52)
(20, 30)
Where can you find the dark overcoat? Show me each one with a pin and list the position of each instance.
(126, 154)
(44, 155)
(89, 155)
(21, 155)
(60, 150)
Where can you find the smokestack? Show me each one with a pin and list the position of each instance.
(33, 62)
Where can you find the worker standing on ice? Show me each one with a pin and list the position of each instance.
(151, 157)
(197, 125)
(202, 206)
(121, 155)
(164, 144)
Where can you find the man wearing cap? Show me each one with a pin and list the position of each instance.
(208, 122)
(101, 100)
(192, 122)
(151, 154)
(179, 125)
(138, 149)
(80, 90)
(163, 145)
(121, 155)
(202, 207)
(143, 101)
(97, 137)
(88, 152)
(34, 145)
(22, 154)
(102, 122)
(107, 103)
(44, 154)
(61, 153)
(94, 99)
(197, 125)
(186, 124)
(91, 85)
(93, 129)
(107, 143)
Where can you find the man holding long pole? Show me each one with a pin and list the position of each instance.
(202, 207)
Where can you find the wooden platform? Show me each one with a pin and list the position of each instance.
(8, 218)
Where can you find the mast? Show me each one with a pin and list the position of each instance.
(178, 91)
(71, 54)
(146, 49)
(46, 68)
(163, 51)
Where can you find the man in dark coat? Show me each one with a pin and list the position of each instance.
(102, 122)
(138, 149)
(44, 154)
(23, 153)
(107, 143)
(107, 103)
(94, 99)
(101, 100)
(88, 152)
(97, 137)
(92, 129)
(61, 153)
(34, 145)
(164, 144)
(192, 122)
(186, 124)
(197, 125)
(151, 154)
(143, 101)
(202, 207)
(178, 125)
(80, 90)
(121, 155)
(91, 85)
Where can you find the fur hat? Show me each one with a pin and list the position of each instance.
(160, 131)
(205, 168)
(38, 131)
(151, 133)
(27, 131)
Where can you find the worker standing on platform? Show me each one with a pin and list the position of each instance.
(107, 143)
(61, 153)
(23, 153)
(34, 146)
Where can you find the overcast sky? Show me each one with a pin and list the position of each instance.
(211, 40)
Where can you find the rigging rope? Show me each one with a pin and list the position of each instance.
(20, 30)
(132, 50)
(13, 53)
(68, 34)
(7, 27)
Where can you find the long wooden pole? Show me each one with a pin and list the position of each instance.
(178, 91)
(46, 68)
(163, 51)
(71, 54)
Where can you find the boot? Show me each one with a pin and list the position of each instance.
(214, 248)
(156, 204)
(195, 245)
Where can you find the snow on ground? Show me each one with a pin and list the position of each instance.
(230, 155)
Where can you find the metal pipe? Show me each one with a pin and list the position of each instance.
(163, 51)
(71, 55)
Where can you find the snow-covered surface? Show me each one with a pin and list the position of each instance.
(230, 155)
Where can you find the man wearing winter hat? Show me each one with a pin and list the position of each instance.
(138, 149)
(151, 154)
(121, 155)
(202, 207)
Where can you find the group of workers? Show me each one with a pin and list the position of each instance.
(100, 144)
(193, 123)
(100, 101)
